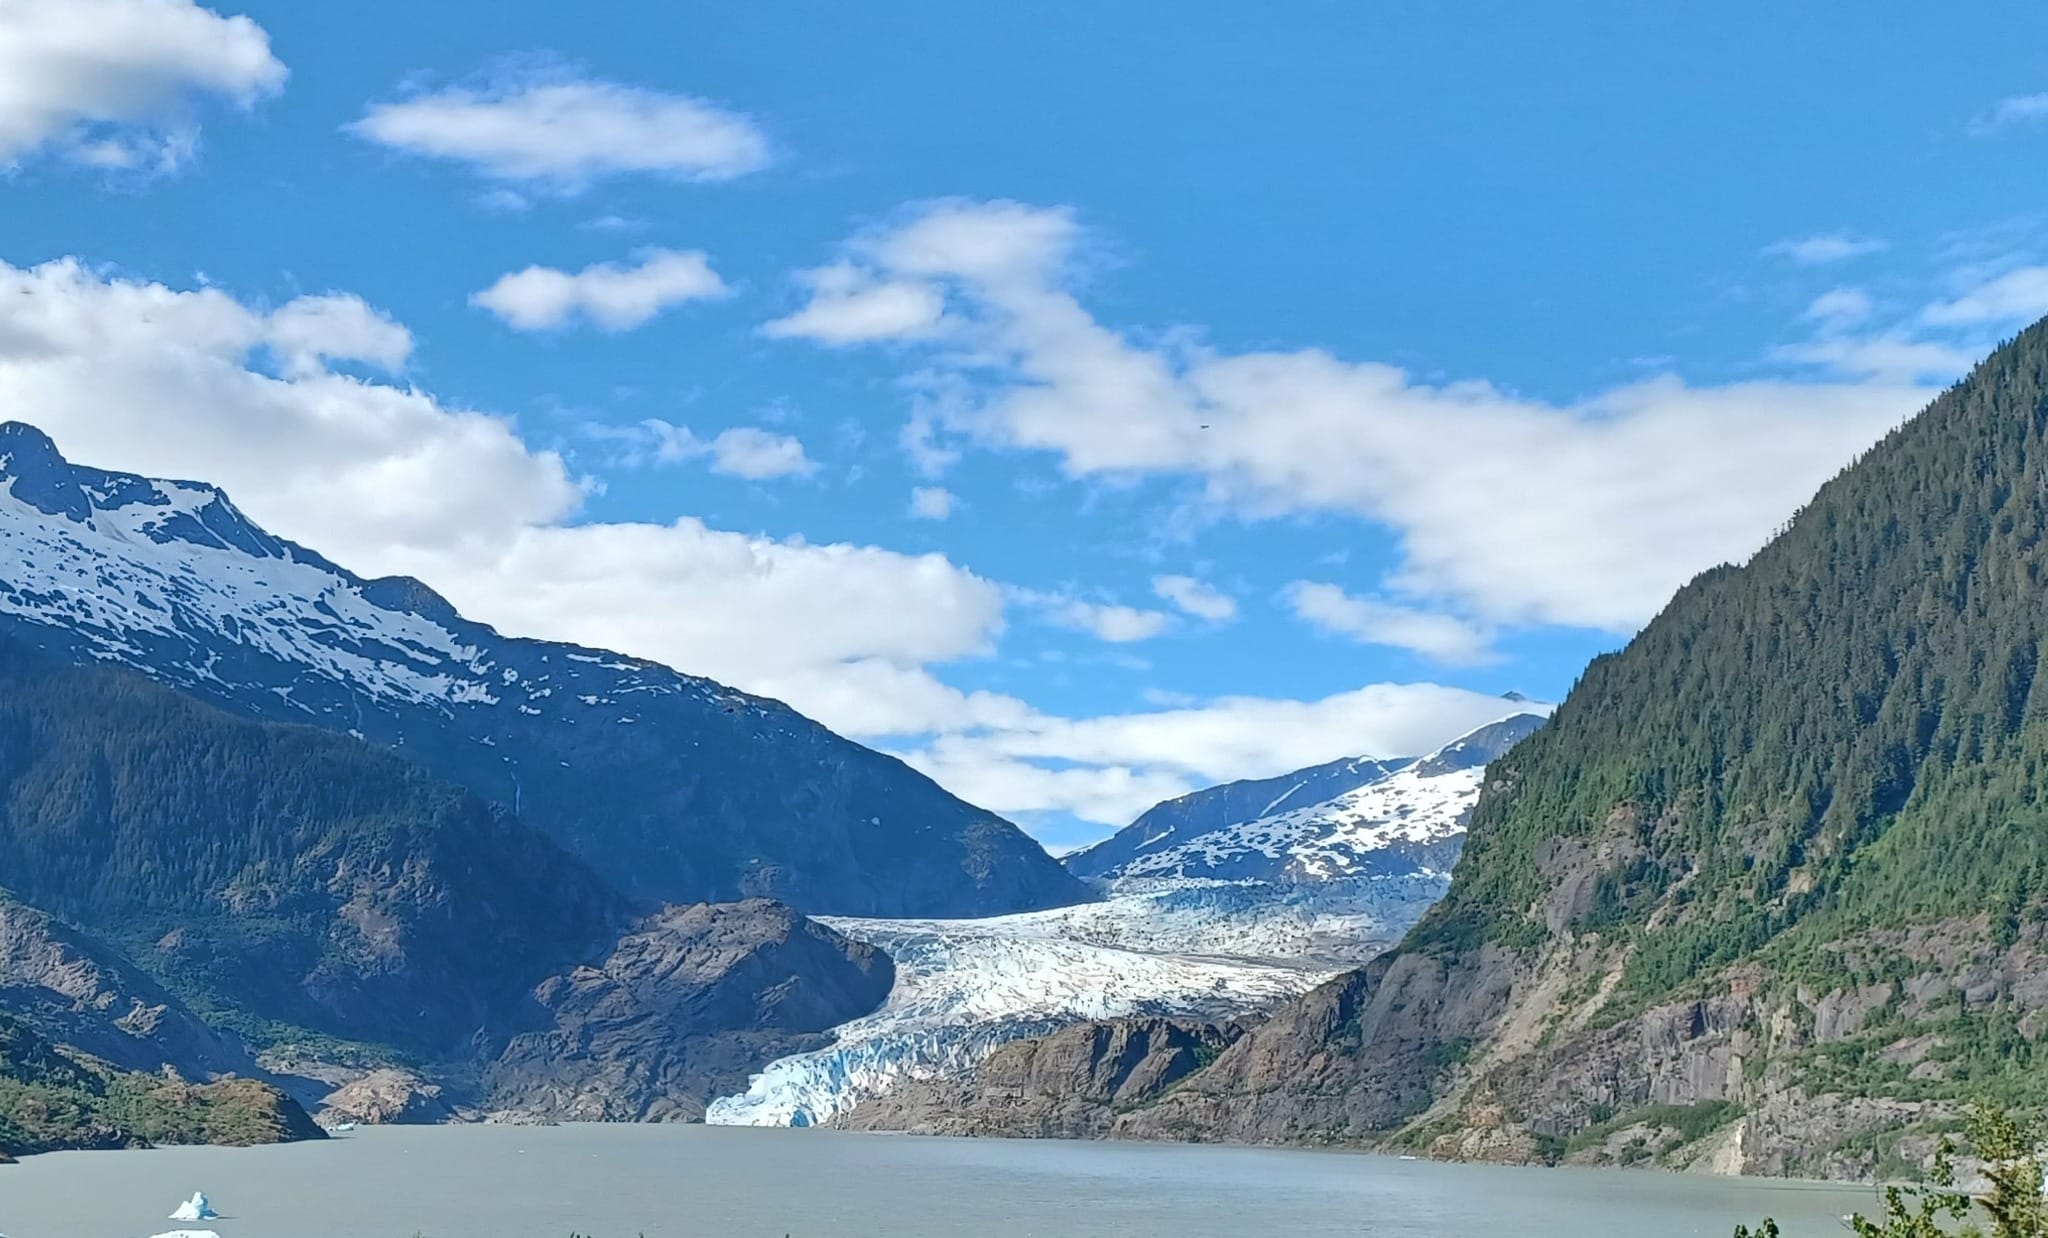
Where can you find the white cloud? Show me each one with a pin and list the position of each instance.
(2011, 110)
(1888, 357)
(564, 133)
(743, 451)
(1507, 509)
(932, 503)
(1109, 769)
(757, 454)
(1203, 601)
(610, 295)
(1119, 625)
(1840, 307)
(135, 375)
(1824, 248)
(115, 83)
(2016, 296)
(845, 307)
(385, 479)
(1376, 621)
(309, 332)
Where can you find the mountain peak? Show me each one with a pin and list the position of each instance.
(37, 473)
(1479, 747)
(410, 595)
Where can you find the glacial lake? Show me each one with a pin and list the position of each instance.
(711, 1182)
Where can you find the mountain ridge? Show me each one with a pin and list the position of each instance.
(679, 789)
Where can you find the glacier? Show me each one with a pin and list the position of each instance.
(964, 987)
(1218, 906)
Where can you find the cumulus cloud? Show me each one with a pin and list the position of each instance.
(610, 295)
(386, 479)
(1824, 248)
(757, 454)
(2011, 110)
(135, 375)
(847, 307)
(565, 132)
(1507, 509)
(932, 502)
(1376, 621)
(309, 332)
(117, 83)
(1194, 597)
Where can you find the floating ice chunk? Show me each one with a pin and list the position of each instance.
(188, 1233)
(195, 1209)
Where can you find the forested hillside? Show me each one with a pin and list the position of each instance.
(277, 874)
(1768, 891)
(52, 1099)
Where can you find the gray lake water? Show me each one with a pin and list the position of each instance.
(709, 1182)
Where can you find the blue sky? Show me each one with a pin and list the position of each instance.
(1085, 401)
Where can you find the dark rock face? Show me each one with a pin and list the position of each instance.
(688, 1005)
(1083, 1082)
(674, 788)
(81, 993)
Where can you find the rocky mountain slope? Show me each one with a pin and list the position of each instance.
(78, 992)
(685, 1009)
(674, 788)
(222, 879)
(1770, 892)
(1072, 1084)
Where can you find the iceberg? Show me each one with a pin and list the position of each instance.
(188, 1233)
(195, 1209)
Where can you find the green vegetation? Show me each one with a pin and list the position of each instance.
(1845, 736)
(2014, 1205)
(282, 880)
(1687, 1124)
(50, 1099)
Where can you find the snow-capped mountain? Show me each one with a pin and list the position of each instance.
(672, 786)
(1215, 808)
(1396, 818)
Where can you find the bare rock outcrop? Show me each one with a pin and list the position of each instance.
(386, 1097)
(81, 993)
(1072, 1084)
(687, 1007)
